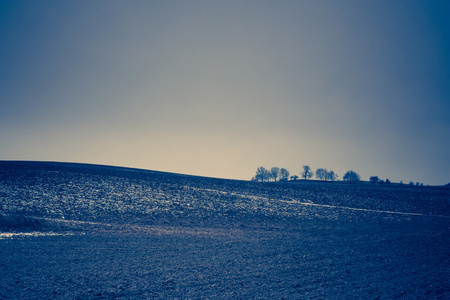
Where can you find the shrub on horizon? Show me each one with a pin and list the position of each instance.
(351, 176)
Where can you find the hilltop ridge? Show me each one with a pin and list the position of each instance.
(98, 193)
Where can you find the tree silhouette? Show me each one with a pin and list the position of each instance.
(373, 179)
(294, 177)
(331, 176)
(351, 176)
(262, 174)
(321, 174)
(284, 174)
(307, 173)
(275, 173)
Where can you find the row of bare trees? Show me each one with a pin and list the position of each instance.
(321, 174)
(277, 174)
(281, 174)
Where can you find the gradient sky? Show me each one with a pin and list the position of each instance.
(218, 88)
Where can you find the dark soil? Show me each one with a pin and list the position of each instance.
(128, 233)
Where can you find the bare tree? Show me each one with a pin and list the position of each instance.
(321, 174)
(262, 174)
(284, 174)
(307, 173)
(331, 176)
(275, 173)
(351, 176)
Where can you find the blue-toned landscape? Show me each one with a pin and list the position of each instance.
(79, 231)
(209, 149)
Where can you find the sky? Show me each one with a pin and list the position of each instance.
(219, 88)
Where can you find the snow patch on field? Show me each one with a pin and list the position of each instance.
(310, 203)
(7, 235)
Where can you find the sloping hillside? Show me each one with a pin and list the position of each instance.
(81, 192)
(75, 231)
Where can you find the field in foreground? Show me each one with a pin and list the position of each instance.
(84, 231)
